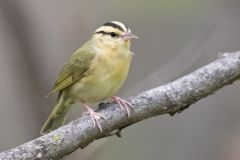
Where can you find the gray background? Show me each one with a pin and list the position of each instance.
(175, 38)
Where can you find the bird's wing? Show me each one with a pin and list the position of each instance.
(75, 68)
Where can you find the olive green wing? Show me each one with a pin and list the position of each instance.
(75, 68)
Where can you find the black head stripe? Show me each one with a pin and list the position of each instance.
(114, 26)
(103, 32)
(113, 34)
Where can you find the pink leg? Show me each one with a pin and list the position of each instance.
(124, 105)
(94, 116)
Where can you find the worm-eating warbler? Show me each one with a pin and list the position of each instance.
(93, 73)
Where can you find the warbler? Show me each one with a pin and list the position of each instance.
(93, 73)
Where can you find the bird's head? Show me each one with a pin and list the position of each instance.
(113, 35)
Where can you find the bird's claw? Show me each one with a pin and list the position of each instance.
(94, 117)
(123, 104)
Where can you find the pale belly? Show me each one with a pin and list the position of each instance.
(101, 83)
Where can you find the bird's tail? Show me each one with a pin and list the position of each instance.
(57, 117)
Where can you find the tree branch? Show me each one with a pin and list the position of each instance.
(170, 98)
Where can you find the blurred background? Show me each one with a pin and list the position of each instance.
(175, 38)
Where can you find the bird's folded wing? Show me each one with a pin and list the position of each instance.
(75, 68)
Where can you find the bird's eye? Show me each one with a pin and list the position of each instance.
(113, 34)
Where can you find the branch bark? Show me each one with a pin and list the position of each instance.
(170, 98)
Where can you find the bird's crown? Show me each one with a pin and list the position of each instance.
(113, 26)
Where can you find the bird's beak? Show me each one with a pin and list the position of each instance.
(128, 36)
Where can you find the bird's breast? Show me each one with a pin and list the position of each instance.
(106, 75)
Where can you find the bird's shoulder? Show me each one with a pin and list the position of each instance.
(76, 67)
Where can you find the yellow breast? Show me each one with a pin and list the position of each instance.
(106, 75)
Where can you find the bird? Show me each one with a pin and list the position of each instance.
(93, 73)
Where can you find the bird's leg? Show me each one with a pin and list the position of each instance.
(94, 116)
(124, 105)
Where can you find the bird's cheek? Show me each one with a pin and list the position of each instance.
(111, 44)
(100, 39)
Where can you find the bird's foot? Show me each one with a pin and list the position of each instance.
(124, 105)
(94, 116)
